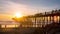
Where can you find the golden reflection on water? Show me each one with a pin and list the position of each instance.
(9, 26)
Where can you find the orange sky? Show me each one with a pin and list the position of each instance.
(27, 7)
(4, 17)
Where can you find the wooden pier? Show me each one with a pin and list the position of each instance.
(42, 19)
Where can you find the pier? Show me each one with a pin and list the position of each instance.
(42, 19)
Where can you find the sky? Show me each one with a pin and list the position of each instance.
(27, 7)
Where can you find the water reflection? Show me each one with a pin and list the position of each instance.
(9, 26)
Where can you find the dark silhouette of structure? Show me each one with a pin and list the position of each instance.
(42, 19)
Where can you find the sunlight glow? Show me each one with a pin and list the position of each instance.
(10, 26)
(18, 15)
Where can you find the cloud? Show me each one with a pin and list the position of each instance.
(8, 8)
(11, 6)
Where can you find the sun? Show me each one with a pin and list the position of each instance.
(18, 15)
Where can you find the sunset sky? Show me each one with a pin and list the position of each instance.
(26, 7)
